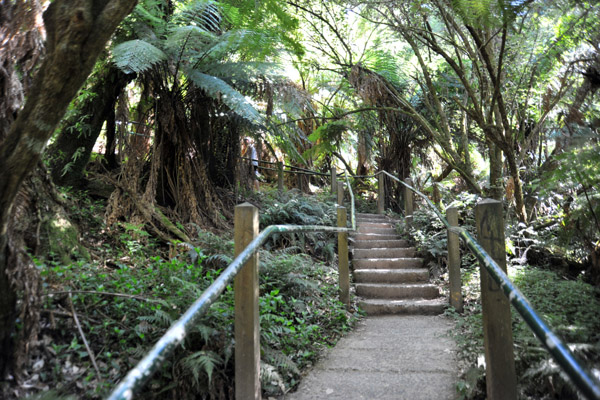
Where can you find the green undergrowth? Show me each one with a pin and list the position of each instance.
(571, 307)
(135, 288)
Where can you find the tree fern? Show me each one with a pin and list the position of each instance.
(137, 56)
(217, 88)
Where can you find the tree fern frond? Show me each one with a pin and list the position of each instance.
(194, 38)
(219, 89)
(137, 56)
(241, 71)
(202, 13)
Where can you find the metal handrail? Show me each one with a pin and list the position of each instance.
(559, 351)
(139, 375)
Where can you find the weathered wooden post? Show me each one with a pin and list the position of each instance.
(381, 194)
(247, 337)
(501, 381)
(408, 202)
(340, 194)
(333, 179)
(343, 270)
(456, 299)
(280, 186)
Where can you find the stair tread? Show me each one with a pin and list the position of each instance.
(397, 285)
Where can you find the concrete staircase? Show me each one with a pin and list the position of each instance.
(388, 276)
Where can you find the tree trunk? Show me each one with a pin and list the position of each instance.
(71, 152)
(77, 31)
(514, 172)
(496, 189)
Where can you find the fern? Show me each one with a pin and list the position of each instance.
(201, 362)
(160, 318)
(219, 89)
(137, 56)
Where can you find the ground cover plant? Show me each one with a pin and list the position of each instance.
(124, 298)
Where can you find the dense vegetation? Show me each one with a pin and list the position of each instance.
(120, 134)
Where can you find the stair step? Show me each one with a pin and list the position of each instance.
(375, 225)
(384, 253)
(397, 291)
(371, 216)
(381, 231)
(388, 263)
(372, 236)
(374, 244)
(413, 275)
(405, 306)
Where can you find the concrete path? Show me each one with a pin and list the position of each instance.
(393, 357)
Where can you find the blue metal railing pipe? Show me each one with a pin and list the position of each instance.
(559, 351)
(139, 375)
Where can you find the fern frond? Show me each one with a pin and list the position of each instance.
(280, 361)
(137, 56)
(219, 89)
(202, 362)
(160, 318)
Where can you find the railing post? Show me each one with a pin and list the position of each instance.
(408, 202)
(381, 194)
(501, 381)
(300, 182)
(280, 187)
(456, 299)
(343, 270)
(247, 337)
(333, 179)
(340, 194)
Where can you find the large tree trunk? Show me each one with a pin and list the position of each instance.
(77, 31)
(71, 152)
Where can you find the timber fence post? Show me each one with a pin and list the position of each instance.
(280, 187)
(381, 194)
(340, 194)
(456, 299)
(247, 335)
(408, 202)
(333, 180)
(501, 380)
(343, 270)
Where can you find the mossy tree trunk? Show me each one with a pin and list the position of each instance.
(77, 31)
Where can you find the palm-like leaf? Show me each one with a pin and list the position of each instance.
(137, 56)
(218, 88)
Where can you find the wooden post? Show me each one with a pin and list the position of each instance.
(381, 194)
(340, 194)
(247, 337)
(501, 381)
(343, 270)
(408, 202)
(333, 179)
(280, 186)
(456, 299)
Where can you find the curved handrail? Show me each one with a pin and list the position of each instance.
(561, 353)
(139, 375)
